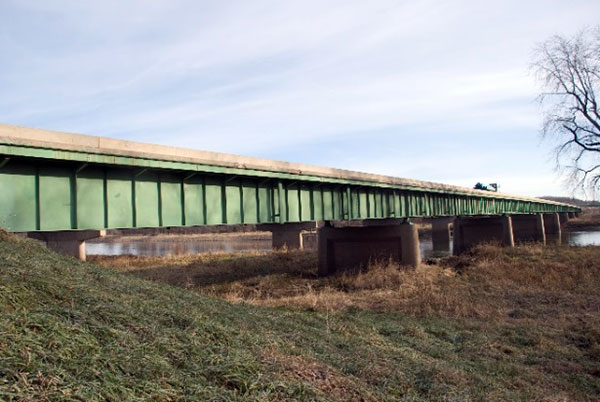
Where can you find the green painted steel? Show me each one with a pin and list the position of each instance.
(45, 189)
(146, 200)
(90, 199)
(56, 198)
(119, 198)
(18, 197)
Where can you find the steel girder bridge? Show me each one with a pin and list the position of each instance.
(51, 181)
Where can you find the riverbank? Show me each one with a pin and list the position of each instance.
(488, 282)
(76, 331)
(589, 218)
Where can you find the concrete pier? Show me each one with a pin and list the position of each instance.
(564, 217)
(291, 235)
(348, 247)
(552, 224)
(440, 233)
(68, 242)
(470, 231)
(529, 228)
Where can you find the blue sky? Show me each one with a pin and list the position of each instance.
(431, 90)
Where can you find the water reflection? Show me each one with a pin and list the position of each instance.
(589, 237)
(582, 238)
(428, 251)
(176, 245)
(189, 244)
(181, 245)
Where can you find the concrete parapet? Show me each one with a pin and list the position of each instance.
(440, 233)
(528, 228)
(470, 231)
(352, 246)
(68, 242)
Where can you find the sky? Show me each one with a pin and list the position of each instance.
(430, 90)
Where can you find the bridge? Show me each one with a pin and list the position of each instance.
(67, 188)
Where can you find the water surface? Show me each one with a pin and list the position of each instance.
(190, 244)
(176, 245)
(589, 237)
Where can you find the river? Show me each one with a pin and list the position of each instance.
(195, 244)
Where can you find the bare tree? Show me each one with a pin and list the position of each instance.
(569, 69)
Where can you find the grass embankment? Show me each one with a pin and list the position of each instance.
(73, 331)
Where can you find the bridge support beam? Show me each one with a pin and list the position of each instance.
(470, 231)
(292, 235)
(572, 215)
(440, 233)
(529, 228)
(352, 246)
(68, 242)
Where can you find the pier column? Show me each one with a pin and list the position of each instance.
(572, 215)
(470, 231)
(552, 224)
(440, 233)
(348, 247)
(68, 242)
(552, 229)
(564, 217)
(291, 235)
(529, 228)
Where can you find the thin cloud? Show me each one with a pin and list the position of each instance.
(437, 84)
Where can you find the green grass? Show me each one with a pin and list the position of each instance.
(75, 331)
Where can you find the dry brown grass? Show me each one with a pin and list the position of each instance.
(289, 278)
(528, 282)
(589, 217)
(211, 269)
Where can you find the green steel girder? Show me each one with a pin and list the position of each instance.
(49, 189)
(18, 150)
